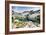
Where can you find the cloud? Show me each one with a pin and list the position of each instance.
(21, 9)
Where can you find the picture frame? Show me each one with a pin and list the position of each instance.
(11, 5)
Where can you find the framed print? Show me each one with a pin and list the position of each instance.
(24, 17)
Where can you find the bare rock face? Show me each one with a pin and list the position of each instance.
(29, 25)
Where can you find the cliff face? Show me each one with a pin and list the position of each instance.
(26, 12)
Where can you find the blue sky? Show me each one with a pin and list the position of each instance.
(21, 8)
